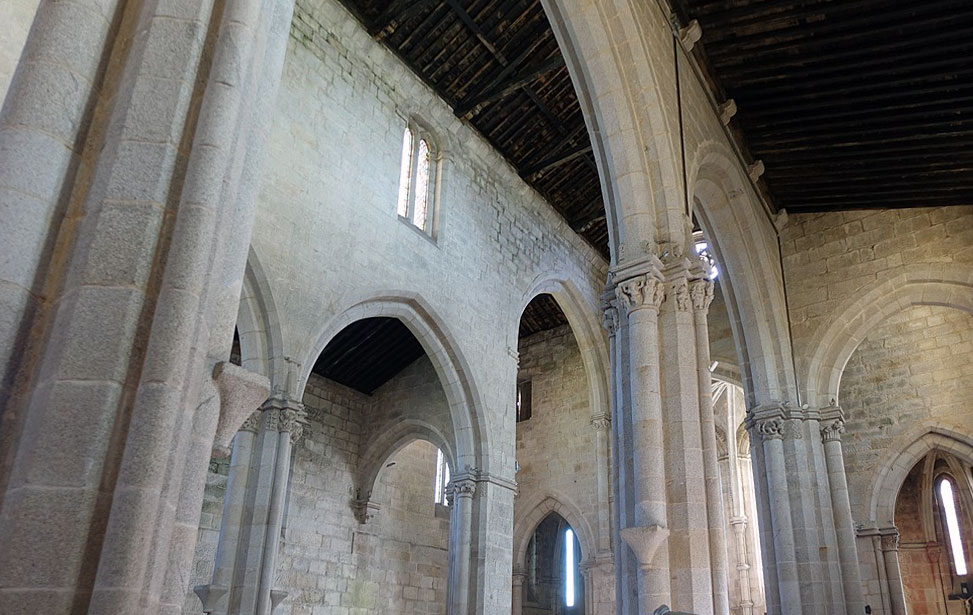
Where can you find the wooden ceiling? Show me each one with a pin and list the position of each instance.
(850, 103)
(497, 64)
(368, 353)
(541, 314)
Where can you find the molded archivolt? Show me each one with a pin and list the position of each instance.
(947, 285)
(377, 452)
(535, 510)
(258, 323)
(612, 51)
(588, 334)
(452, 369)
(906, 452)
(752, 283)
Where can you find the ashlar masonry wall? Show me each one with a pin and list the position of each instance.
(556, 446)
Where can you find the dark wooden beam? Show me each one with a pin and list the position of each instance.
(512, 83)
(558, 160)
(397, 11)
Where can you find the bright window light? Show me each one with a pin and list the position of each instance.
(569, 568)
(702, 248)
(422, 185)
(442, 477)
(405, 173)
(952, 526)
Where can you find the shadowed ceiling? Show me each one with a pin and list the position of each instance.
(852, 103)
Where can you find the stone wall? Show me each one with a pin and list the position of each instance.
(913, 368)
(16, 16)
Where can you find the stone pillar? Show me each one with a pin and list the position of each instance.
(124, 358)
(690, 560)
(461, 532)
(646, 534)
(701, 294)
(601, 424)
(832, 426)
(890, 556)
(766, 426)
(517, 592)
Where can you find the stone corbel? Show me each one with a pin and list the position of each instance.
(756, 170)
(645, 541)
(241, 392)
(365, 510)
(690, 35)
(727, 110)
(210, 596)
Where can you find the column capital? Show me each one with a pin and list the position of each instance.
(365, 510)
(679, 291)
(832, 429)
(645, 541)
(890, 542)
(463, 487)
(252, 422)
(642, 291)
(519, 576)
(601, 422)
(284, 415)
(768, 428)
(610, 318)
(701, 292)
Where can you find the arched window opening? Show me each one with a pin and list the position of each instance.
(570, 570)
(553, 583)
(417, 179)
(442, 477)
(947, 502)
(405, 173)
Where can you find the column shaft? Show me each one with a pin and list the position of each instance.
(464, 490)
(844, 524)
(701, 292)
(517, 592)
(890, 555)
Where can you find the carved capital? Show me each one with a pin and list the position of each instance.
(701, 293)
(601, 422)
(770, 428)
(831, 430)
(644, 541)
(292, 421)
(252, 423)
(464, 487)
(610, 319)
(643, 291)
(679, 289)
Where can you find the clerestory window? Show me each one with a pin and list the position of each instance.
(417, 179)
(947, 501)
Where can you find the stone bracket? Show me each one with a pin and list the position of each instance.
(241, 392)
(645, 541)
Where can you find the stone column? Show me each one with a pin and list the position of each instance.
(766, 427)
(890, 556)
(701, 294)
(690, 560)
(517, 592)
(641, 297)
(832, 426)
(601, 424)
(461, 532)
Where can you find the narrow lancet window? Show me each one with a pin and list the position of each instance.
(952, 526)
(422, 185)
(405, 174)
(569, 571)
(442, 477)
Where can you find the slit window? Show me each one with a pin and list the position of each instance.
(569, 567)
(523, 400)
(948, 501)
(442, 477)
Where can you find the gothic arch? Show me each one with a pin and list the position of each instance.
(610, 49)
(905, 453)
(587, 332)
(376, 453)
(258, 323)
(752, 283)
(443, 352)
(535, 510)
(942, 284)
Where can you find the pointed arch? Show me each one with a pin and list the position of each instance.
(905, 452)
(740, 236)
(940, 284)
(452, 369)
(535, 509)
(378, 451)
(588, 334)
